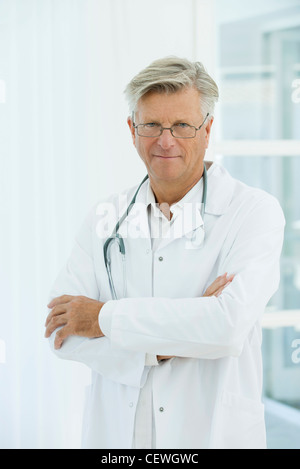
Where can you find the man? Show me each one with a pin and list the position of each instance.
(175, 363)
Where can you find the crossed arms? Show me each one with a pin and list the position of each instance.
(79, 315)
(207, 327)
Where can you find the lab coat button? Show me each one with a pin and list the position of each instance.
(160, 258)
(161, 409)
(130, 404)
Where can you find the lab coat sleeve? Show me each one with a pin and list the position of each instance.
(78, 278)
(210, 327)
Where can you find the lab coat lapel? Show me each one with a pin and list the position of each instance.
(220, 189)
(189, 224)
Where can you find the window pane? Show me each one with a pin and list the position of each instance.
(280, 177)
(259, 73)
(259, 80)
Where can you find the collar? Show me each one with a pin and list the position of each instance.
(194, 195)
(220, 187)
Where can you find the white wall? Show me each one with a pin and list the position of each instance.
(64, 144)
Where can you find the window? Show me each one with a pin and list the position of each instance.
(259, 143)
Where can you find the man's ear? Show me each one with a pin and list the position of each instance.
(208, 131)
(132, 129)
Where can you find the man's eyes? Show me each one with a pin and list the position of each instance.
(182, 125)
(151, 125)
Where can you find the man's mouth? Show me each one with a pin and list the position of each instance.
(166, 157)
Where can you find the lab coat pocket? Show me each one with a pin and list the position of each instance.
(241, 423)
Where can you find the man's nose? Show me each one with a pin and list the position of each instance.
(166, 139)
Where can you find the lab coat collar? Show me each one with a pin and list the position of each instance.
(220, 188)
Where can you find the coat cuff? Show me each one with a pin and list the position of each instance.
(105, 324)
(105, 317)
(151, 360)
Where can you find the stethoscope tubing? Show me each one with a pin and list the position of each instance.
(115, 236)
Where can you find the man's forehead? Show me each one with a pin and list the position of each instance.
(182, 103)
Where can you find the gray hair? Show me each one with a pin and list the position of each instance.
(172, 74)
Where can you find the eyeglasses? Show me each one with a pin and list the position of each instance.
(181, 130)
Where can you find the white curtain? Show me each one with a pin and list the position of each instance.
(64, 144)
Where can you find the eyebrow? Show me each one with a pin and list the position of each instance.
(177, 121)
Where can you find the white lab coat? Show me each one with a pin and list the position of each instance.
(210, 395)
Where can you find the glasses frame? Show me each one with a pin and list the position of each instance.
(167, 128)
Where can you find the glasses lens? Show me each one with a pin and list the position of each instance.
(155, 130)
(149, 130)
(183, 131)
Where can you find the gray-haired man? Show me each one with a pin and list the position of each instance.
(176, 363)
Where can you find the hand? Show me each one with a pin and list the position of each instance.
(215, 289)
(77, 314)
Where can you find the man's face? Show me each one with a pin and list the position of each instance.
(170, 159)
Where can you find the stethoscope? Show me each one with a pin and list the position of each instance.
(116, 237)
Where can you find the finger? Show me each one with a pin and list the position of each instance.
(57, 310)
(216, 288)
(56, 322)
(218, 293)
(217, 283)
(60, 300)
(221, 281)
(60, 336)
(164, 357)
